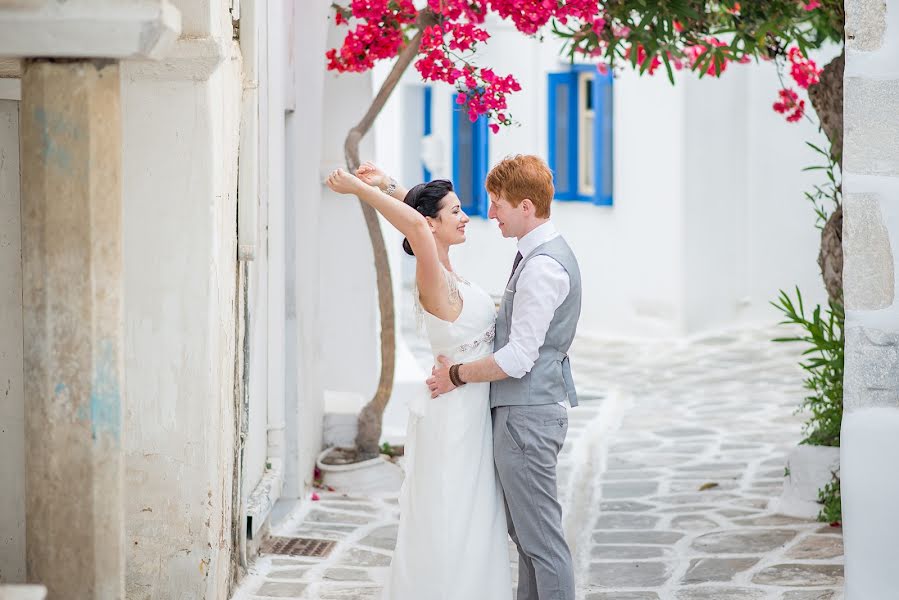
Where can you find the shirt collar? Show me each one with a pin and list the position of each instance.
(537, 236)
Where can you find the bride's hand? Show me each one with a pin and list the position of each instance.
(371, 174)
(344, 183)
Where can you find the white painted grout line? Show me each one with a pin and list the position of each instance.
(582, 517)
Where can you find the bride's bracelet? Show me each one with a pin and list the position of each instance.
(390, 187)
(454, 376)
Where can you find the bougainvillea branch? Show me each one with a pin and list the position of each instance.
(696, 35)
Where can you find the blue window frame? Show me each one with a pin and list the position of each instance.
(471, 148)
(580, 134)
(427, 127)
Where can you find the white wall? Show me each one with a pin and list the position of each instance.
(304, 143)
(12, 395)
(180, 131)
(749, 229)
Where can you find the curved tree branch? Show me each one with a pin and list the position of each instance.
(369, 432)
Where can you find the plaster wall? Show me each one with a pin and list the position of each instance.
(180, 128)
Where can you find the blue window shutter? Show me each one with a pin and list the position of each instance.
(563, 138)
(471, 149)
(427, 126)
(603, 136)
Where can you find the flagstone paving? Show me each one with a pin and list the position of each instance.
(668, 479)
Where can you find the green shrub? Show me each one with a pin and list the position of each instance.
(822, 332)
(829, 496)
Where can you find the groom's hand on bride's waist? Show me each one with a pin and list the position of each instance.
(440, 381)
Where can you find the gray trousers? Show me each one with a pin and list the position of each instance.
(526, 445)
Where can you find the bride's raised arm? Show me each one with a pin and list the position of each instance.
(412, 224)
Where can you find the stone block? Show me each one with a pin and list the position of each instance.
(800, 575)
(817, 547)
(626, 521)
(871, 126)
(810, 595)
(871, 376)
(720, 593)
(344, 574)
(705, 570)
(743, 541)
(866, 22)
(629, 574)
(623, 596)
(693, 523)
(637, 537)
(616, 552)
(383, 537)
(635, 489)
(281, 589)
(868, 273)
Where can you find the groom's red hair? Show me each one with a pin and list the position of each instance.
(523, 176)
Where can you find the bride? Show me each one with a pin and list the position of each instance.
(452, 541)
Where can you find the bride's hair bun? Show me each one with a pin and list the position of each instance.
(427, 199)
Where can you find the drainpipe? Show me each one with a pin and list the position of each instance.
(247, 229)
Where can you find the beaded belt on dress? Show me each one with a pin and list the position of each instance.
(484, 338)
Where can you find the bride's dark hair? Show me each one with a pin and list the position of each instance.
(427, 199)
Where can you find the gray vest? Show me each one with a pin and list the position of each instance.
(550, 379)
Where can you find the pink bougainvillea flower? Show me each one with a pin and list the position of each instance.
(693, 54)
(790, 105)
(641, 58)
(803, 70)
(811, 5)
(380, 29)
(315, 497)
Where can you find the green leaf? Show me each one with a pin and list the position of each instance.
(667, 63)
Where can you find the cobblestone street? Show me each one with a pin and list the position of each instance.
(668, 478)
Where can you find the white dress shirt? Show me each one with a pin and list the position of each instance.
(542, 287)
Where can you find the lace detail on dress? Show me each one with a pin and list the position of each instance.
(455, 297)
(484, 338)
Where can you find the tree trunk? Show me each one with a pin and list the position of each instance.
(368, 435)
(830, 256)
(827, 99)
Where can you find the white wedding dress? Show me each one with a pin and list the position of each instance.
(452, 540)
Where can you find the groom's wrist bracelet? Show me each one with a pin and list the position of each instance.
(454, 376)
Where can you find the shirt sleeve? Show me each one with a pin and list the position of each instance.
(541, 289)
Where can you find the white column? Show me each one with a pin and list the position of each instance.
(870, 434)
(72, 296)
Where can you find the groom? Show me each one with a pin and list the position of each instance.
(529, 373)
